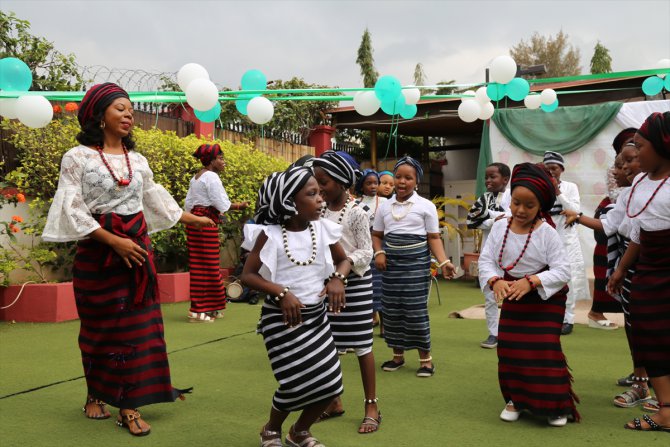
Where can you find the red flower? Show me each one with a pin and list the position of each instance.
(17, 218)
(71, 107)
(57, 109)
(14, 228)
(21, 198)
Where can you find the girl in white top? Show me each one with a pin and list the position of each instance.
(293, 252)
(408, 228)
(207, 197)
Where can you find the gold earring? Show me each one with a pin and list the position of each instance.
(102, 125)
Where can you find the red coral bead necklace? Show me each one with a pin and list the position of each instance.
(525, 246)
(119, 181)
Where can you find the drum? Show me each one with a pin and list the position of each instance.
(234, 290)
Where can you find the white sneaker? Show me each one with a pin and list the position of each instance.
(509, 416)
(559, 421)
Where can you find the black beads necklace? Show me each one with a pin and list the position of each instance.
(312, 233)
(119, 181)
(632, 191)
(525, 246)
(342, 211)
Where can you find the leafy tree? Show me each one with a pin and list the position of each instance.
(445, 90)
(601, 62)
(52, 70)
(556, 53)
(366, 61)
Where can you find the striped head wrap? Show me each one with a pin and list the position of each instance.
(621, 138)
(207, 152)
(276, 196)
(97, 99)
(555, 158)
(340, 166)
(407, 160)
(365, 174)
(536, 179)
(656, 129)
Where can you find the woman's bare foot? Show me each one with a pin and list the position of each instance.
(372, 418)
(95, 409)
(597, 316)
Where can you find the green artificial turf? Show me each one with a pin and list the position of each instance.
(227, 365)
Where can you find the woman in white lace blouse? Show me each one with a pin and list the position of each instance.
(107, 201)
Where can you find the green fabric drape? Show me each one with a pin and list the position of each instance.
(564, 130)
(485, 159)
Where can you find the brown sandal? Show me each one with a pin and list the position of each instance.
(133, 422)
(104, 413)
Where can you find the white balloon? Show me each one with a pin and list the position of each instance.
(202, 94)
(503, 69)
(366, 103)
(533, 101)
(487, 111)
(548, 96)
(34, 111)
(663, 63)
(469, 111)
(481, 96)
(189, 73)
(468, 95)
(8, 108)
(260, 110)
(412, 95)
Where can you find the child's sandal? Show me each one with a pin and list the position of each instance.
(133, 422)
(272, 438)
(104, 414)
(307, 441)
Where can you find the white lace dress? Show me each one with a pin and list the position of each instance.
(86, 188)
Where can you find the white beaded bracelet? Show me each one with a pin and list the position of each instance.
(443, 263)
(380, 252)
(281, 296)
(339, 275)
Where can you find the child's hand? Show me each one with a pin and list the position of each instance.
(380, 262)
(518, 288)
(290, 308)
(570, 217)
(615, 282)
(448, 270)
(501, 289)
(335, 291)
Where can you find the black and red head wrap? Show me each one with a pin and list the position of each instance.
(622, 137)
(97, 99)
(537, 180)
(656, 129)
(207, 152)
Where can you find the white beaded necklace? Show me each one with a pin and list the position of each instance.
(342, 211)
(407, 206)
(312, 232)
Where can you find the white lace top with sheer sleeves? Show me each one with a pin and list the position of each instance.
(86, 188)
(356, 238)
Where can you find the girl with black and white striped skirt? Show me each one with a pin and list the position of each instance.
(352, 328)
(408, 227)
(293, 253)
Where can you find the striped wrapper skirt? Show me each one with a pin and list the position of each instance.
(352, 327)
(405, 286)
(650, 303)
(208, 293)
(376, 287)
(303, 358)
(605, 253)
(625, 296)
(121, 334)
(532, 369)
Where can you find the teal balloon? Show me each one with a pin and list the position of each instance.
(210, 115)
(394, 106)
(652, 85)
(15, 75)
(517, 89)
(254, 80)
(409, 111)
(241, 104)
(496, 91)
(666, 83)
(387, 89)
(551, 107)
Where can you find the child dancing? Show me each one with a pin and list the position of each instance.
(525, 264)
(482, 215)
(408, 227)
(293, 253)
